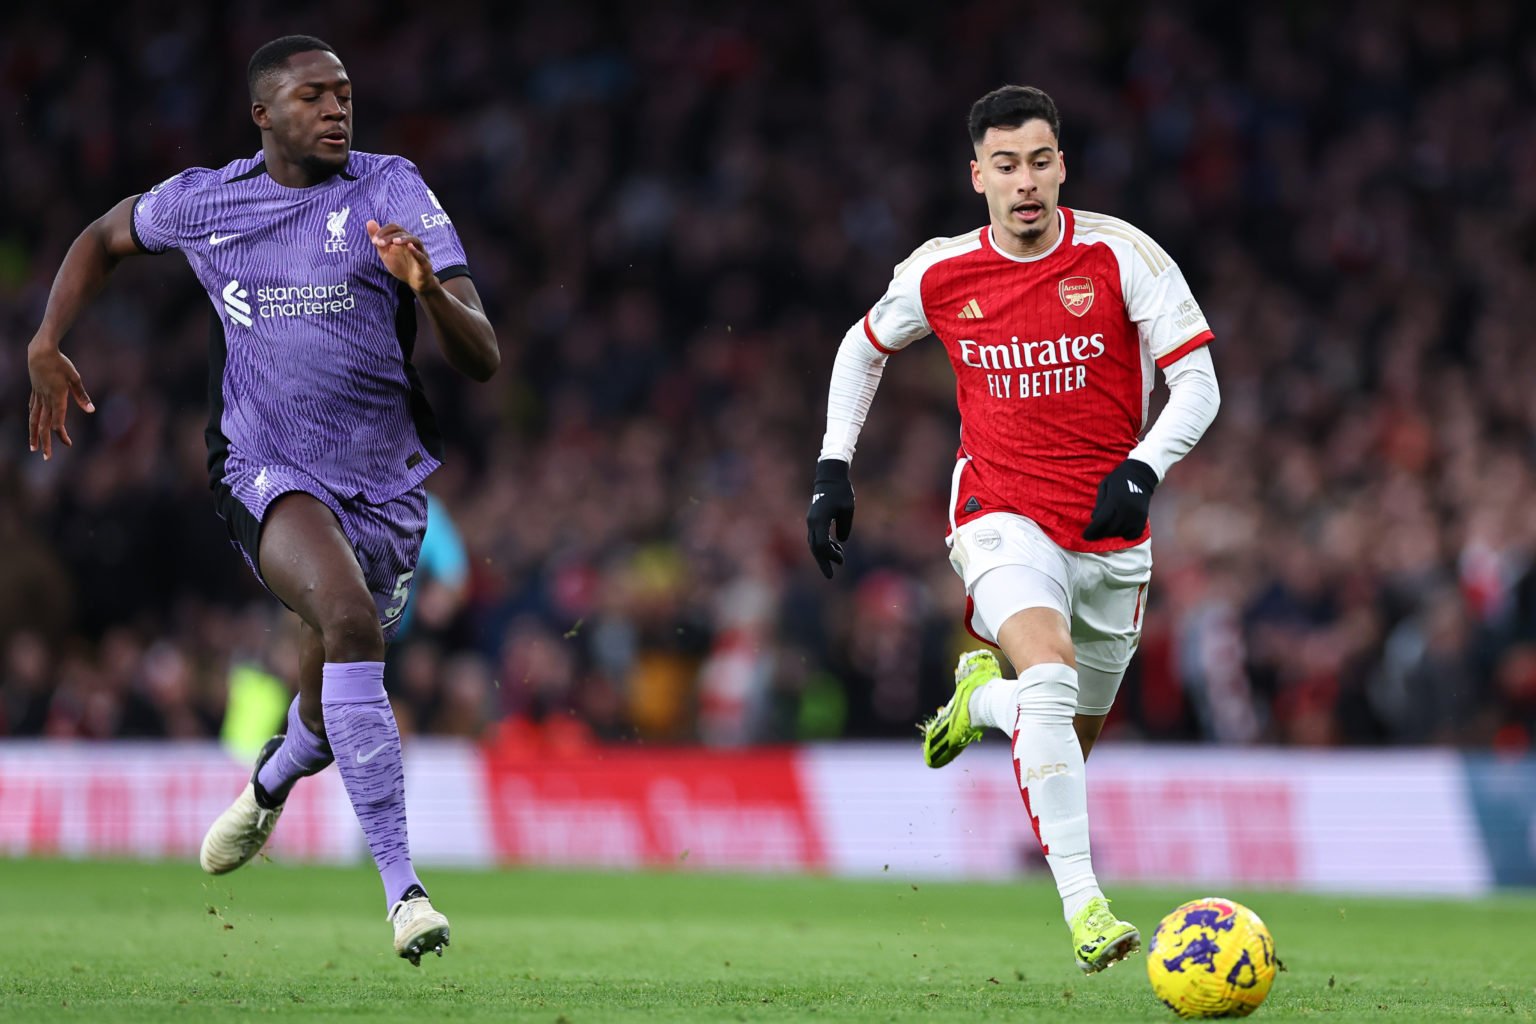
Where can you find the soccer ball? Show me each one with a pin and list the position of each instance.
(1211, 958)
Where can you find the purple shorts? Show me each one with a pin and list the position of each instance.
(386, 538)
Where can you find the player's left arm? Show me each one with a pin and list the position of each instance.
(1174, 331)
(1193, 398)
(453, 306)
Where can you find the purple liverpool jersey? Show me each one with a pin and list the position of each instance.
(312, 337)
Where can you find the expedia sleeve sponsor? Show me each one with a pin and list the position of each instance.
(437, 219)
(303, 300)
(415, 206)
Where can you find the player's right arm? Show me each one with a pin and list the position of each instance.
(892, 324)
(85, 269)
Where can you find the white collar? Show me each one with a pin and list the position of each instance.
(992, 240)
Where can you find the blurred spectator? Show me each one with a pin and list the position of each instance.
(673, 212)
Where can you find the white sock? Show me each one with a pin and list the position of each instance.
(1049, 764)
(995, 704)
(1070, 905)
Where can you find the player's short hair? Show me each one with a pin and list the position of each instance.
(271, 59)
(1009, 107)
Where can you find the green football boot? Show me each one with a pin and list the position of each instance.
(950, 731)
(1100, 939)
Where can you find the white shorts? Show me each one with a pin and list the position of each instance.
(1102, 596)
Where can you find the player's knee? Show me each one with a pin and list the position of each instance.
(350, 631)
(1048, 690)
(1035, 636)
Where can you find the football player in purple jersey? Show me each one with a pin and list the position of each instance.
(315, 257)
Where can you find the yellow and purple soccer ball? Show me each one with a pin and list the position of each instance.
(1211, 958)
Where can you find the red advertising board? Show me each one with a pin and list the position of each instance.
(654, 807)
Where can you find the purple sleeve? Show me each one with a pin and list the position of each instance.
(416, 208)
(159, 215)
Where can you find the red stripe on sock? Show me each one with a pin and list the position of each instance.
(1018, 774)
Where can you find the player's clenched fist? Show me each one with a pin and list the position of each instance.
(1125, 497)
(404, 255)
(831, 504)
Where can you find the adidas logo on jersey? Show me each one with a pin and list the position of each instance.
(971, 311)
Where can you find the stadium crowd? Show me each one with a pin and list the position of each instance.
(674, 212)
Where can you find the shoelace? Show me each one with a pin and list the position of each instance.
(403, 906)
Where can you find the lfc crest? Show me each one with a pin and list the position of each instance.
(1077, 294)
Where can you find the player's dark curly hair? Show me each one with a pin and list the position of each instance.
(271, 58)
(1010, 107)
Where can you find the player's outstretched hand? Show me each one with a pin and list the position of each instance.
(1125, 496)
(54, 381)
(831, 504)
(404, 255)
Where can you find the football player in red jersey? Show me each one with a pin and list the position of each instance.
(1054, 320)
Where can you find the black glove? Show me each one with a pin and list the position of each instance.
(831, 502)
(1124, 496)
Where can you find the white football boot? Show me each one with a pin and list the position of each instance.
(419, 929)
(241, 831)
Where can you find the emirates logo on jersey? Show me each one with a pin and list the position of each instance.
(1076, 294)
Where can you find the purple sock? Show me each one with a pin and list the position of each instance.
(363, 735)
(302, 753)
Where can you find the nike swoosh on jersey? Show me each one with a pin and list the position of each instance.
(215, 238)
(363, 758)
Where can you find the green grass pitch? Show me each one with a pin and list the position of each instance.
(162, 942)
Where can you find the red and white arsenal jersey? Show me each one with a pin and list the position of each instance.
(1053, 359)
